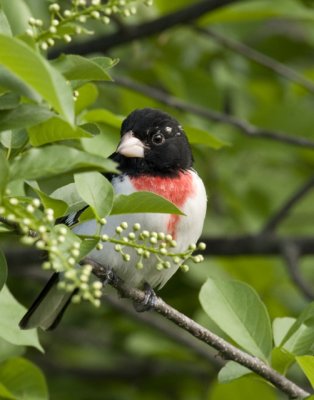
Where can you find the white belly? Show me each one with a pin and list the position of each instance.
(188, 230)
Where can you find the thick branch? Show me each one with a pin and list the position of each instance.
(291, 255)
(245, 245)
(130, 33)
(259, 58)
(227, 350)
(212, 115)
(284, 210)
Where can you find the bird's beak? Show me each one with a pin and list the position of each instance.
(130, 146)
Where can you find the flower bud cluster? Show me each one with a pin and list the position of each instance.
(66, 23)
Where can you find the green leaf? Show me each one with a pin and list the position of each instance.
(231, 371)
(54, 160)
(69, 195)
(8, 350)
(13, 139)
(59, 207)
(4, 24)
(307, 365)
(105, 116)
(5, 394)
(4, 172)
(75, 67)
(9, 101)
(259, 10)
(53, 130)
(17, 13)
(97, 191)
(306, 319)
(36, 72)
(200, 136)
(23, 379)
(281, 360)
(237, 309)
(300, 341)
(10, 81)
(3, 270)
(280, 328)
(245, 388)
(87, 245)
(11, 313)
(88, 94)
(139, 202)
(23, 116)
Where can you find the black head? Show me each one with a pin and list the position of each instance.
(152, 142)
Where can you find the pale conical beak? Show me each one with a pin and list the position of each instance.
(130, 146)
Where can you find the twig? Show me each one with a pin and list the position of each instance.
(284, 210)
(170, 331)
(227, 350)
(212, 115)
(129, 33)
(291, 255)
(259, 58)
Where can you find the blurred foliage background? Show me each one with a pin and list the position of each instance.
(112, 353)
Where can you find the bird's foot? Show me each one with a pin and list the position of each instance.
(149, 300)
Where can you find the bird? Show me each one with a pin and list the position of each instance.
(153, 155)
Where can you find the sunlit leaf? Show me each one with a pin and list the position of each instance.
(237, 309)
(307, 365)
(36, 72)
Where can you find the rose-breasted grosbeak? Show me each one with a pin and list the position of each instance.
(153, 155)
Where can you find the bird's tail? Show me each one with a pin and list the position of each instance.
(48, 308)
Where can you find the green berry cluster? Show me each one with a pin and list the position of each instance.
(147, 244)
(65, 23)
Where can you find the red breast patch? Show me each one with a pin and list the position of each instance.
(176, 189)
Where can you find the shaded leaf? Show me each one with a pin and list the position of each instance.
(139, 202)
(23, 379)
(59, 207)
(9, 100)
(237, 309)
(54, 160)
(96, 190)
(23, 116)
(200, 136)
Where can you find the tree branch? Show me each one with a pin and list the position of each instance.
(291, 255)
(170, 331)
(212, 115)
(244, 245)
(227, 350)
(259, 58)
(284, 210)
(129, 33)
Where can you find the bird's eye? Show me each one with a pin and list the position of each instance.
(158, 138)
